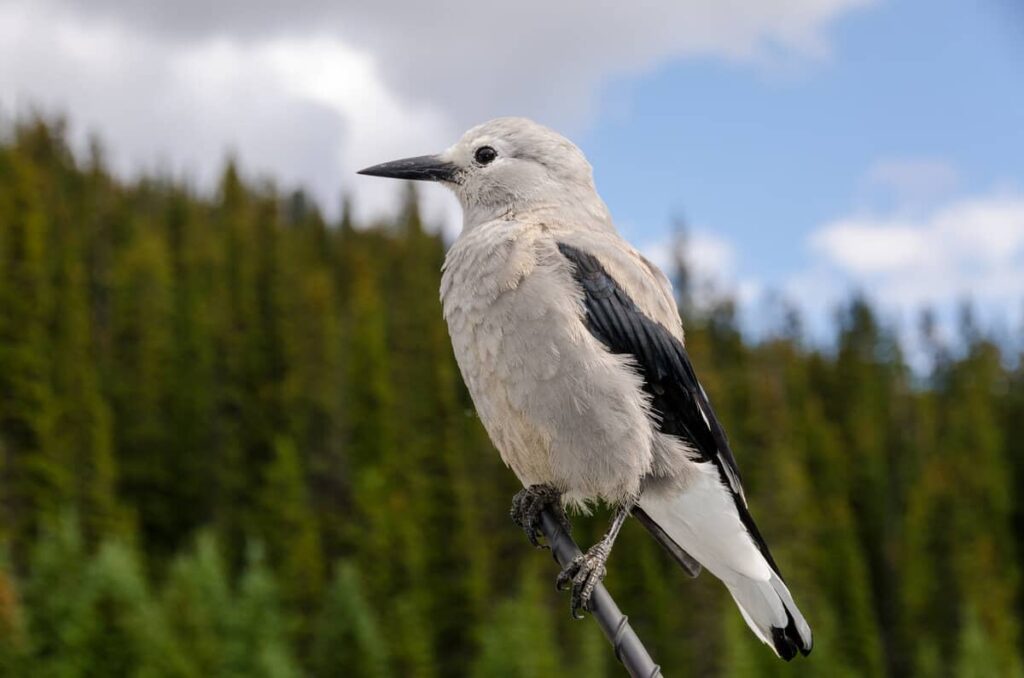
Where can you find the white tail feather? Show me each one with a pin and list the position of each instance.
(704, 521)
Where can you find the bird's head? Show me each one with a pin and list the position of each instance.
(505, 166)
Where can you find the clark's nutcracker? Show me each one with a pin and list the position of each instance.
(571, 345)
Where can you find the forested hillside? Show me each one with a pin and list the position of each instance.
(234, 442)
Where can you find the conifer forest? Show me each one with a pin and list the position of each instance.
(234, 442)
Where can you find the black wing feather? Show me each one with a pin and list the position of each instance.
(676, 395)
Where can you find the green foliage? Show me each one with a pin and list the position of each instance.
(519, 640)
(348, 633)
(205, 400)
(200, 602)
(126, 630)
(977, 654)
(260, 644)
(56, 599)
(290, 529)
(224, 630)
(13, 648)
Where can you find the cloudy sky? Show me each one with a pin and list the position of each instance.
(813, 146)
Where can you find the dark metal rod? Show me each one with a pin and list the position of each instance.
(615, 625)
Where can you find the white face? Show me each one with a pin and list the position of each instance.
(508, 166)
(511, 164)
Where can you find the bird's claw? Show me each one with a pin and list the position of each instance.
(583, 575)
(529, 503)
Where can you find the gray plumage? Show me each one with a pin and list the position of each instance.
(572, 348)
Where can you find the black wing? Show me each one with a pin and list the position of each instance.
(676, 395)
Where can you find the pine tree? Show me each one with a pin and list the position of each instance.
(199, 606)
(349, 639)
(390, 548)
(82, 418)
(519, 640)
(35, 477)
(191, 416)
(141, 350)
(127, 632)
(869, 381)
(290, 530)
(259, 639)
(59, 616)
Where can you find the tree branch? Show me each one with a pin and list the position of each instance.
(615, 625)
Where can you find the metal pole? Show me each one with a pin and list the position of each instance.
(628, 648)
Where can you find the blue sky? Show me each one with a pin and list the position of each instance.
(814, 146)
(762, 157)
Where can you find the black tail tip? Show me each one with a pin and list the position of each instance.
(788, 643)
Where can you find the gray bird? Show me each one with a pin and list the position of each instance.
(572, 348)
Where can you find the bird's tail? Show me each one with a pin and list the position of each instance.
(712, 527)
(770, 612)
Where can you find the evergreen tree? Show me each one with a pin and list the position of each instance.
(519, 641)
(35, 477)
(59, 615)
(126, 632)
(290, 530)
(141, 354)
(349, 638)
(190, 416)
(259, 642)
(199, 606)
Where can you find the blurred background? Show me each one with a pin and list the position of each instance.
(233, 439)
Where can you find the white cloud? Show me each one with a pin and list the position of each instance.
(311, 90)
(711, 261)
(476, 58)
(912, 181)
(970, 248)
(711, 255)
(866, 247)
(922, 247)
(303, 112)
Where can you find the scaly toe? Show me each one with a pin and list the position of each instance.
(527, 506)
(584, 583)
(567, 576)
(583, 575)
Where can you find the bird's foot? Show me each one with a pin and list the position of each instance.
(529, 503)
(583, 575)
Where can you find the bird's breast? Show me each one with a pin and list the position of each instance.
(558, 406)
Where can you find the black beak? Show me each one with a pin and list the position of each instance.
(421, 168)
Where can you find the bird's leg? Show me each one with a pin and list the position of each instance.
(530, 502)
(587, 570)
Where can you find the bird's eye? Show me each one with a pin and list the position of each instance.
(485, 155)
